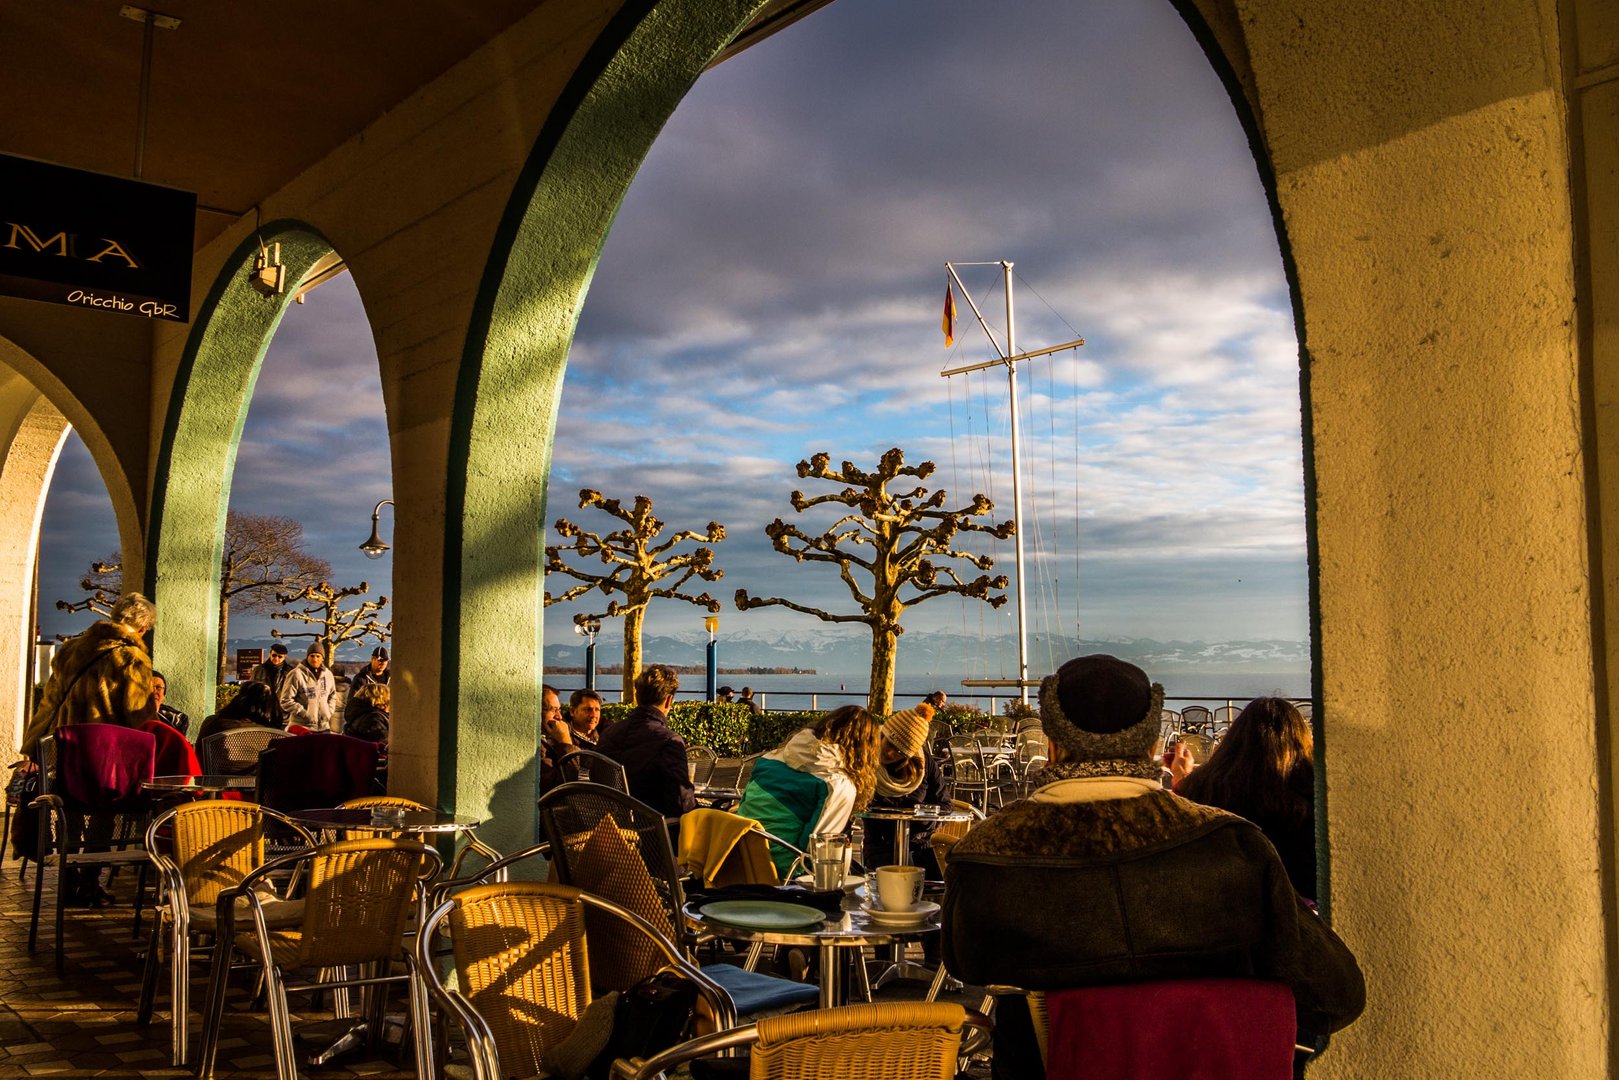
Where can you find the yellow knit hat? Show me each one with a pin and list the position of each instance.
(907, 730)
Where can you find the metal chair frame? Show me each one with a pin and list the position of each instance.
(611, 772)
(829, 1051)
(59, 840)
(219, 756)
(480, 1039)
(178, 917)
(703, 759)
(373, 975)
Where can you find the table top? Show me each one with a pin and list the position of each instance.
(409, 821)
(212, 782)
(706, 792)
(930, 814)
(849, 928)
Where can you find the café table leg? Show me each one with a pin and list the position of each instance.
(831, 977)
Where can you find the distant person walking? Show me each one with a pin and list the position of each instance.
(747, 699)
(374, 673)
(937, 699)
(273, 670)
(309, 693)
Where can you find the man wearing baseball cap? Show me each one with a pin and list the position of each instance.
(374, 672)
(1104, 876)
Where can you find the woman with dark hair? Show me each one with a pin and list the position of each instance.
(1264, 770)
(253, 706)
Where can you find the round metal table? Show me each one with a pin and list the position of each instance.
(403, 823)
(903, 820)
(210, 784)
(852, 928)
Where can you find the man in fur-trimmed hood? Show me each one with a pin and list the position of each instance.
(1103, 876)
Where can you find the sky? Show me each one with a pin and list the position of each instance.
(772, 288)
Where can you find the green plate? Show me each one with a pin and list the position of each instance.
(762, 914)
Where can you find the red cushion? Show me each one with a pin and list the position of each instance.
(1186, 1029)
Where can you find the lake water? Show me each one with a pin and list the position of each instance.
(831, 690)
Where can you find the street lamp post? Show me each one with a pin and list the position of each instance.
(712, 624)
(374, 547)
(588, 630)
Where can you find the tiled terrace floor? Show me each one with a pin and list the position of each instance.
(82, 1023)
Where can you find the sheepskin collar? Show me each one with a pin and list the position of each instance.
(1089, 830)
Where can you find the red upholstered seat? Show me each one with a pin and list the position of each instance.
(1186, 1029)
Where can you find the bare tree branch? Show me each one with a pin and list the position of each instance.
(911, 537)
(639, 567)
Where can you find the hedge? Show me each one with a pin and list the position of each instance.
(728, 728)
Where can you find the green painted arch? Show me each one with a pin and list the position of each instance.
(197, 455)
(510, 383)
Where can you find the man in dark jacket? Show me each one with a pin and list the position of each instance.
(1102, 876)
(376, 671)
(273, 670)
(654, 758)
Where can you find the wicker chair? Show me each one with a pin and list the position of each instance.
(200, 850)
(946, 833)
(611, 845)
(360, 900)
(524, 973)
(473, 845)
(235, 752)
(891, 1041)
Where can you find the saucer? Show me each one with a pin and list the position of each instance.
(917, 914)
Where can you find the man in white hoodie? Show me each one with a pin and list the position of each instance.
(309, 693)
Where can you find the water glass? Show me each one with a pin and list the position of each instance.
(830, 854)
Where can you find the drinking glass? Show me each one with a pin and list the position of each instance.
(830, 854)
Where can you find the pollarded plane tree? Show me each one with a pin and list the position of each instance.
(904, 541)
(334, 624)
(637, 567)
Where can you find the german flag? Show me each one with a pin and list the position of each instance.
(948, 323)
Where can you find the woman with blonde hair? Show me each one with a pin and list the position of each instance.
(815, 781)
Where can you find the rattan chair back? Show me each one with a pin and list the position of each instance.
(215, 843)
(522, 962)
(361, 895)
(890, 1041)
(235, 752)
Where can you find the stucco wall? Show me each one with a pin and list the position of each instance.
(1421, 163)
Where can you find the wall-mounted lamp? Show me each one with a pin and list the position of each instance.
(374, 547)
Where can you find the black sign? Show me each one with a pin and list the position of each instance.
(246, 661)
(93, 241)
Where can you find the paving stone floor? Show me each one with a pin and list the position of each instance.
(82, 1022)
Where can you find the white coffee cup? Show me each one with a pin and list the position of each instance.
(899, 888)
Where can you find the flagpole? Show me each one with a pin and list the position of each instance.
(1017, 494)
(1010, 357)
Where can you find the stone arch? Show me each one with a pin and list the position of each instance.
(196, 459)
(510, 382)
(36, 413)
